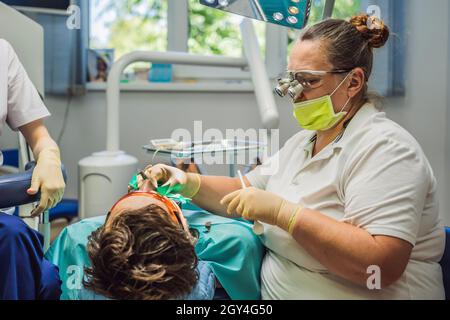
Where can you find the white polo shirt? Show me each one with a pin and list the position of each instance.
(374, 176)
(20, 102)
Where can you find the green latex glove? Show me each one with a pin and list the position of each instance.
(164, 190)
(133, 185)
(172, 193)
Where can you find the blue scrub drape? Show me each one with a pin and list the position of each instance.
(24, 273)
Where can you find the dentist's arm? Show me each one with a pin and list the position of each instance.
(205, 191)
(47, 175)
(344, 249)
(213, 189)
(349, 251)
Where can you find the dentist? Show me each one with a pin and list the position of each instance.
(24, 274)
(351, 210)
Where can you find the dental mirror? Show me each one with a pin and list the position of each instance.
(288, 13)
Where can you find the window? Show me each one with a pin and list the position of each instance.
(160, 25)
(127, 26)
(142, 25)
(186, 25)
(123, 26)
(217, 32)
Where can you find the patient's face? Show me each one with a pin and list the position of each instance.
(138, 200)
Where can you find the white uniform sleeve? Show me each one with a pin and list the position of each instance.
(23, 101)
(385, 189)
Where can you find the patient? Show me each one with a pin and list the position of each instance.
(144, 251)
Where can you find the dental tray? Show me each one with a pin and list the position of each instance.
(188, 149)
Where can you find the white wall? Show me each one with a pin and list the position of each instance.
(424, 111)
(447, 159)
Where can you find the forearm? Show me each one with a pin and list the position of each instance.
(37, 136)
(45, 142)
(212, 190)
(47, 176)
(345, 250)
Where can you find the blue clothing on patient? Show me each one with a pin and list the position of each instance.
(24, 273)
(228, 249)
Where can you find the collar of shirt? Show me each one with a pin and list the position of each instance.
(352, 127)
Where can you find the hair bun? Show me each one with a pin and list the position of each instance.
(372, 29)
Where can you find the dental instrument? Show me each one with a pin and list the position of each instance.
(258, 228)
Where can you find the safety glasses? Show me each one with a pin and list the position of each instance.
(295, 82)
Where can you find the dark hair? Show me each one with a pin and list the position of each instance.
(142, 255)
(349, 44)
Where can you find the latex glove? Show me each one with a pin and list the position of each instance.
(186, 184)
(258, 205)
(48, 178)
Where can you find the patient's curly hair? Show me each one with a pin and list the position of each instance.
(142, 255)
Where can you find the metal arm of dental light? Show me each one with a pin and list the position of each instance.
(258, 11)
(266, 101)
(258, 70)
(328, 9)
(113, 87)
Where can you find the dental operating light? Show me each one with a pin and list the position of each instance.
(288, 13)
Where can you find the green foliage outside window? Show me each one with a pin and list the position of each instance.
(142, 25)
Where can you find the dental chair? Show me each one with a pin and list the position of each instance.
(13, 193)
(445, 263)
(67, 209)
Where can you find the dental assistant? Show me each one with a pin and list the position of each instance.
(349, 205)
(24, 274)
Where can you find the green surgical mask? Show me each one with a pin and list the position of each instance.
(318, 114)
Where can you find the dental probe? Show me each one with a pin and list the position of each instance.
(258, 228)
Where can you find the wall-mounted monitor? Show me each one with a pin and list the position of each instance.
(44, 6)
